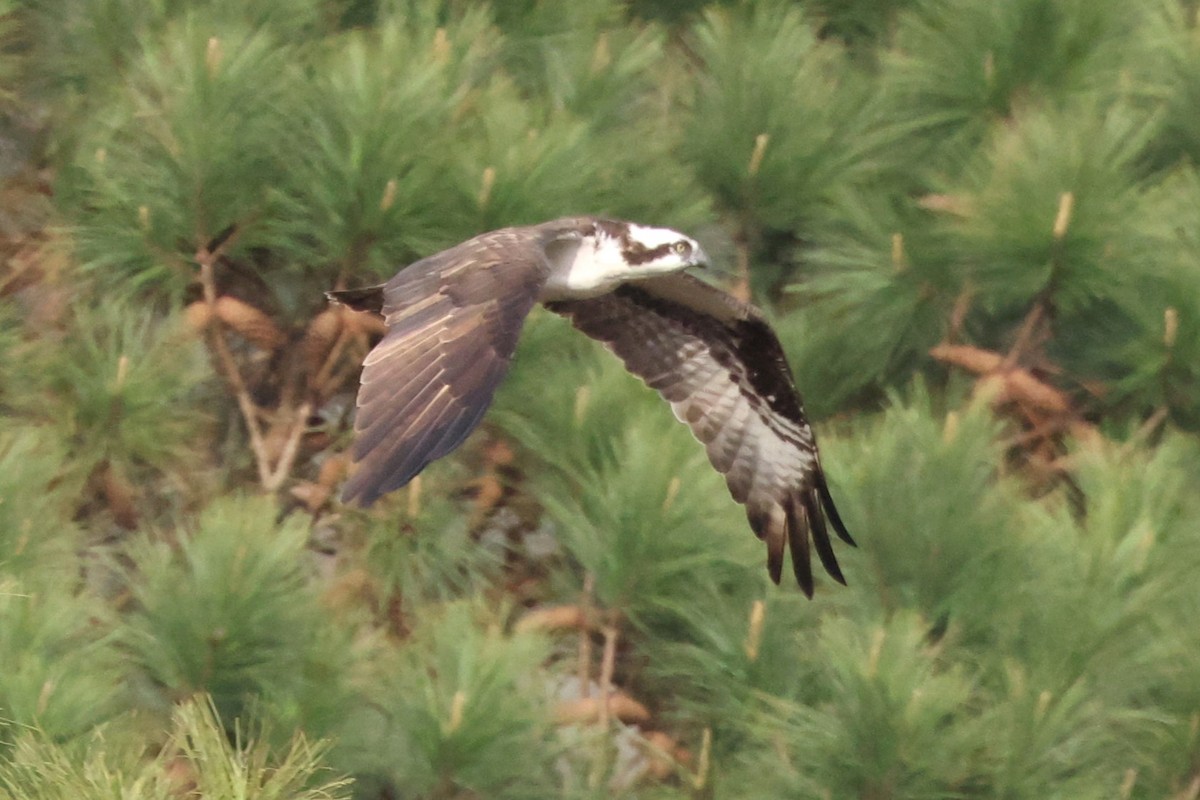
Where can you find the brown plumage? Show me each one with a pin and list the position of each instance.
(454, 319)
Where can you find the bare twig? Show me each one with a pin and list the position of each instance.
(700, 780)
(607, 666)
(228, 365)
(1025, 335)
(585, 636)
(287, 456)
(1042, 304)
(958, 315)
(758, 614)
(1145, 430)
(320, 381)
(271, 477)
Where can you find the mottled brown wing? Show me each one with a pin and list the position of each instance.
(453, 322)
(722, 369)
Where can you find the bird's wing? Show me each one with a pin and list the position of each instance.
(453, 320)
(722, 369)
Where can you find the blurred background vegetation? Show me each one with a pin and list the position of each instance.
(976, 225)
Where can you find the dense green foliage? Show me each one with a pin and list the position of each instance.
(975, 223)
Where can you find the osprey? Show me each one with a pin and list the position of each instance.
(452, 325)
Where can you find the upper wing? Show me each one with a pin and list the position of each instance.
(723, 371)
(453, 321)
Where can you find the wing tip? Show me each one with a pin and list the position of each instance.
(811, 503)
(775, 566)
(358, 494)
(835, 519)
(800, 525)
(766, 528)
(798, 535)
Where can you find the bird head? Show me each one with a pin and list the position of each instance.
(606, 253)
(657, 251)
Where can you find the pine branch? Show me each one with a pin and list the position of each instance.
(228, 366)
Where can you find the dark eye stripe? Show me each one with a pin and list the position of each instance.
(639, 254)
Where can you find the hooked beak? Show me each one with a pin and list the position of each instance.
(700, 259)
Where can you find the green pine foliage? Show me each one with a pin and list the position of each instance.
(83, 54)
(198, 758)
(1019, 252)
(960, 66)
(719, 671)
(1167, 81)
(882, 264)
(933, 547)
(878, 720)
(777, 126)
(127, 392)
(1156, 360)
(37, 499)
(230, 613)
(62, 673)
(167, 169)
(454, 709)
(974, 225)
(581, 57)
(370, 182)
(427, 552)
(862, 23)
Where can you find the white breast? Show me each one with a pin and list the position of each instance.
(596, 267)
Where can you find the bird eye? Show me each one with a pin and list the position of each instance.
(682, 248)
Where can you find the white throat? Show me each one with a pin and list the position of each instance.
(595, 267)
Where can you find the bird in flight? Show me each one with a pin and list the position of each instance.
(453, 320)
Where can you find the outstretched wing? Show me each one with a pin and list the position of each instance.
(453, 321)
(723, 371)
